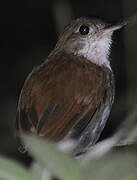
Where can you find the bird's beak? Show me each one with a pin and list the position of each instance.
(113, 28)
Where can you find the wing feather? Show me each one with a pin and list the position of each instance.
(58, 95)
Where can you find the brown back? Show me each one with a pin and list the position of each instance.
(58, 94)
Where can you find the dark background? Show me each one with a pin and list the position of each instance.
(29, 31)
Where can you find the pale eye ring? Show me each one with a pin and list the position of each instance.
(84, 29)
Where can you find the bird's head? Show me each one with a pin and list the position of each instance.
(89, 38)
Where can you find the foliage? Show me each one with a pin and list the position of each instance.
(106, 160)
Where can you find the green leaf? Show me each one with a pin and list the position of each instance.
(12, 170)
(56, 161)
(39, 172)
(114, 166)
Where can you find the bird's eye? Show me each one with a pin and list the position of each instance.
(84, 29)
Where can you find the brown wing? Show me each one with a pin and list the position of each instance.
(59, 94)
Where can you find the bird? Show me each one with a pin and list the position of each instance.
(70, 94)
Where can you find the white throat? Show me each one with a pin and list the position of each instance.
(97, 52)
